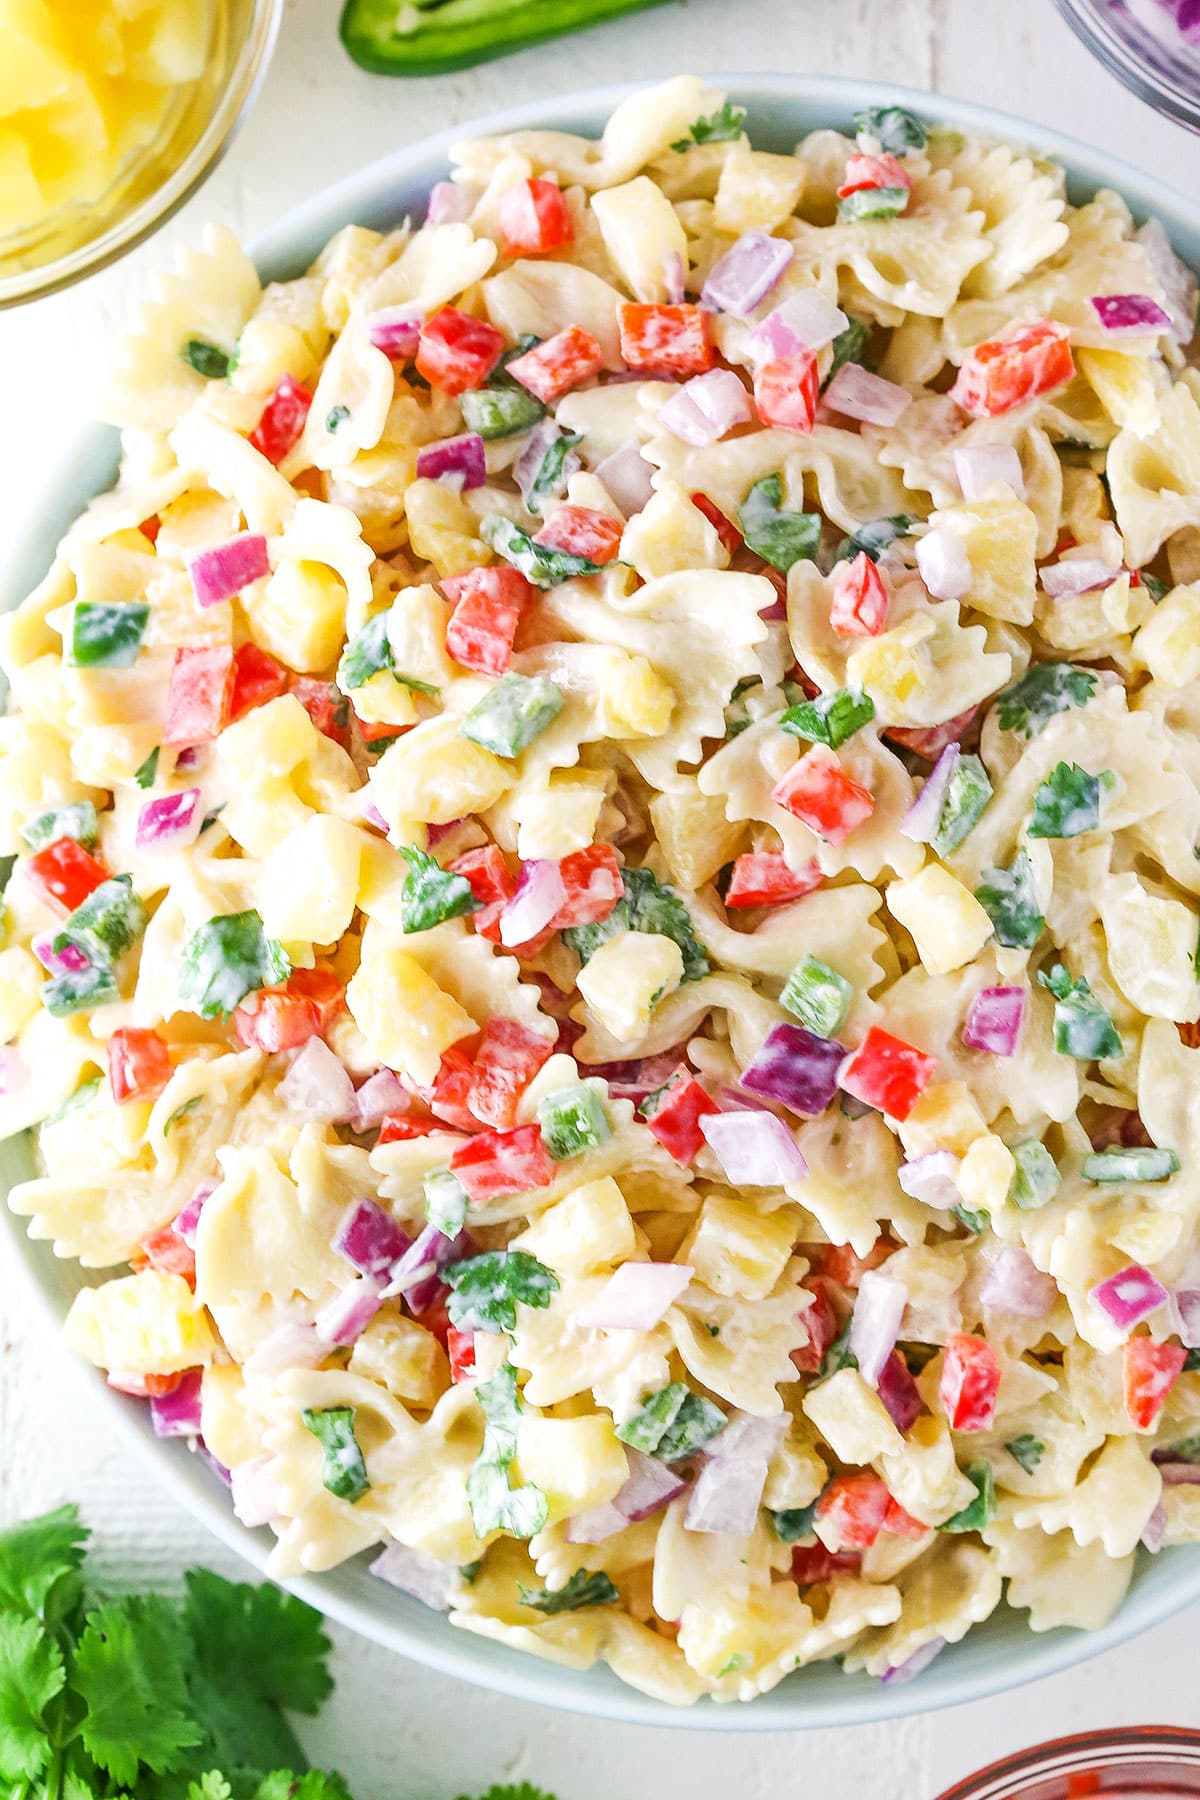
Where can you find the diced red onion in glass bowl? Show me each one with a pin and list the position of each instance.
(396, 330)
(169, 821)
(804, 321)
(932, 1179)
(706, 407)
(540, 894)
(343, 1319)
(370, 1239)
(994, 1021)
(627, 476)
(177, 1413)
(1076, 575)
(381, 1094)
(742, 278)
(226, 569)
(459, 461)
(1129, 313)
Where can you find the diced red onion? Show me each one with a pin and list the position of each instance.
(995, 1019)
(540, 894)
(206, 1456)
(857, 394)
(796, 1067)
(754, 1148)
(921, 821)
(70, 960)
(640, 1076)
(291, 1345)
(1177, 281)
(451, 202)
(1076, 575)
(635, 1297)
(1130, 1295)
(649, 1487)
(981, 467)
(370, 1238)
(913, 1665)
(804, 321)
(729, 1488)
(435, 833)
(458, 462)
(188, 758)
(1014, 1284)
(417, 1276)
(742, 278)
(1136, 313)
(932, 1179)
(627, 476)
(373, 817)
(1184, 1307)
(943, 563)
(673, 278)
(706, 407)
(1178, 1474)
(419, 1575)
(875, 1322)
(396, 330)
(528, 465)
(344, 1318)
(255, 1491)
(381, 1094)
(595, 1526)
(169, 821)
(177, 1414)
(220, 573)
(1154, 1531)
(317, 1086)
(900, 1394)
(188, 1221)
(14, 1076)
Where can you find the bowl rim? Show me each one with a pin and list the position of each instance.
(814, 1701)
(1164, 92)
(1112, 1748)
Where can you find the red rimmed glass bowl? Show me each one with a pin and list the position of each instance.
(1135, 1762)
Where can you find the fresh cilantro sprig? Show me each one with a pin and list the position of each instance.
(650, 906)
(721, 127)
(586, 1587)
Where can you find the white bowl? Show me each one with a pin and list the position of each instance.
(997, 1655)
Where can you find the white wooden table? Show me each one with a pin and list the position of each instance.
(393, 1729)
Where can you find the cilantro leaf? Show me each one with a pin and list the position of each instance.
(524, 1790)
(368, 653)
(36, 1555)
(848, 347)
(894, 128)
(430, 894)
(146, 771)
(226, 959)
(260, 1639)
(1044, 690)
(721, 127)
(830, 718)
(540, 563)
(874, 537)
(31, 1674)
(781, 538)
(1068, 804)
(129, 1674)
(1026, 1450)
(488, 1288)
(344, 1471)
(211, 1786)
(495, 1506)
(648, 905)
(1008, 898)
(1082, 1026)
(586, 1587)
(315, 1784)
(794, 1523)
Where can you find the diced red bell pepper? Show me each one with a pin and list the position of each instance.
(888, 1074)
(580, 531)
(460, 1347)
(534, 218)
(488, 607)
(376, 731)
(858, 605)
(448, 1097)
(564, 361)
(592, 884)
(66, 873)
(813, 1562)
(840, 1263)
(671, 340)
(1017, 366)
(930, 740)
(139, 1064)
(143, 1387)
(856, 1507)
(325, 705)
(323, 990)
(151, 527)
(725, 528)
(786, 390)
(821, 1323)
(503, 1162)
(492, 885)
(257, 678)
(969, 1384)
(457, 352)
(198, 699)
(282, 420)
(1151, 1371)
(506, 1062)
(273, 1019)
(167, 1251)
(764, 878)
(902, 1524)
(673, 1115)
(399, 1128)
(883, 171)
(818, 792)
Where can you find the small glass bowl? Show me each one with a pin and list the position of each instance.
(1133, 1762)
(196, 128)
(1153, 46)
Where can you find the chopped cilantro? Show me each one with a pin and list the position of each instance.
(487, 1289)
(780, 538)
(648, 905)
(1068, 804)
(584, 1588)
(1026, 1450)
(226, 959)
(893, 128)
(1082, 1026)
(830, 718)
(344, 1472)
(430, 894)
(205, 358)
(1043, 691)
(721, 127)
(494, 1504)
(1008, 898)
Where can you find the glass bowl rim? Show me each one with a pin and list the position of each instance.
(1059, 1755)
(1110, 48)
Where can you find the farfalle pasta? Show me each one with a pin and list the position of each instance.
(600, 895)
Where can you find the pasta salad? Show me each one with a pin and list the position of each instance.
(602, 894)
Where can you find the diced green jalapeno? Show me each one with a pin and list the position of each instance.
(107, 634)
(572, 1121)
(513, 713)
(818, 996)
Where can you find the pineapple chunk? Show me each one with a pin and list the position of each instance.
(736, 1250)
(634, 699)
(1151, 943)
(893, 667)
(622, 981)
(733, 1640)
(21, 201)
(299, 615)
(442, 528)
(1168, 644)
(985, 1174)
(641, 231)
(693, 833)
(944, 1118)
(1124, 385)
(147, 1324)
(230, 1432)
(436, 775)
(947, 923)
(21, 978)
(382, 700)
(671, 534)
(285, 335)
(1000, 534)
(852, 1419)
(796, 1475)
(923, 1474)
(309, 883)
(757, 191)
(587, 1230)
(577, 1463)
(561, 817)
(406, 1018)
(404, 1358)
(417, 635)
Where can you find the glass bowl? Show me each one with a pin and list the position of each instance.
(1153, 46)
(196, 128)
(1138, 1762)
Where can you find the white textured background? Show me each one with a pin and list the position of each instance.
(395, 1731)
